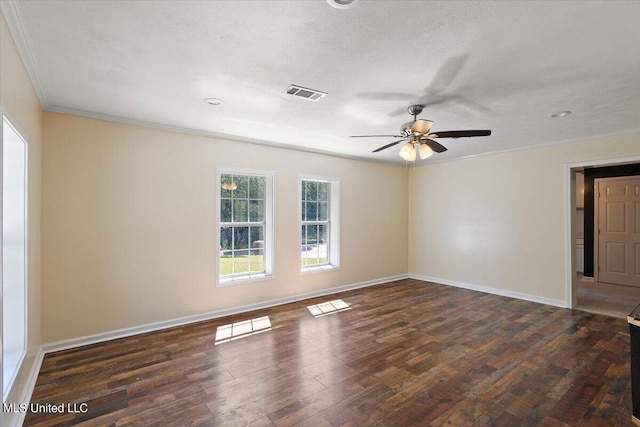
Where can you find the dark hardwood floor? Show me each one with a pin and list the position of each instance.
(408, 353)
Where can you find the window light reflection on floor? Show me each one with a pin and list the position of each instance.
(234, 331)
(330, 307)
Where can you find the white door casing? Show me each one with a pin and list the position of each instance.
(617, 230)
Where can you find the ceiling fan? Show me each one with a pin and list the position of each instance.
(418, 140)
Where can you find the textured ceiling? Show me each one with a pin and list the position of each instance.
(504, 66)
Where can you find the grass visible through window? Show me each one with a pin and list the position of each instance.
(309, 262)
(241, 264)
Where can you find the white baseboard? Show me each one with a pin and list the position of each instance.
(494, 291)
(150, 327)
(17, 418)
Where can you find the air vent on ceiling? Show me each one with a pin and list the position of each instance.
(306, 93)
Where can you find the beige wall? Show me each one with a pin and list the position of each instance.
(129, 224)
(128, 218)
(20, 104)
(499, 221)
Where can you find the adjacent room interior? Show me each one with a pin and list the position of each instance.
(448, 220)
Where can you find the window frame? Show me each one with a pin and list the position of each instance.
(268, 223)
(333, 224)
(21, 331)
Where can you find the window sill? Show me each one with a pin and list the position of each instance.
(319, 269)
(243, 279)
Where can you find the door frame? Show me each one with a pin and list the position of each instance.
(571, 276)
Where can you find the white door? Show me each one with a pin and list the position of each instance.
(618, 230)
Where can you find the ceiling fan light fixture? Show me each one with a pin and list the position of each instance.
(229, 186)
(420, 127)
(425, 151)
(408, 152)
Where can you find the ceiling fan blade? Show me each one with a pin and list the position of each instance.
(384, 147)
(435, 146)
(459, 133)
(386, 96)
(375, 136)
(446, 73)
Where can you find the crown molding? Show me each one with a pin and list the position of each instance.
(538, 146)
(199, 132)
(13, 17)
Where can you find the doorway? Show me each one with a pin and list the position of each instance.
(583, 291)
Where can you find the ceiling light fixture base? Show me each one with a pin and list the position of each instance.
(414, 110)
(342, 4)
(214, 101)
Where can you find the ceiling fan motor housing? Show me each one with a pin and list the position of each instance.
(414, 110)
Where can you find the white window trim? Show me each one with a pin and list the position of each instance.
(8, 120)
(269, 225)
(334, 219)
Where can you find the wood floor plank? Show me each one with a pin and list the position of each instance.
(407, 353)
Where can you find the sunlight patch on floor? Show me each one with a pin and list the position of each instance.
(245, 328)
(330, 307)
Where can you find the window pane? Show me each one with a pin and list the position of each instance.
(256, 210)
(257, 263)
(312, 234)
(322, 233)
(242, 191)
(311, 211)
(323, 211)
(304, 248)
(256, 187)
(312, 190)
(323, 191)
(257, 240)
(256, 257)
(226, 244)
(226, 239)
(226, 265)
(225, 210)
(323, 246)
(241, 237)
(226, 183)
(240, 211)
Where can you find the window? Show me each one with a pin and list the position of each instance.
(245, 225)
(319, 214)
(14, 247)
